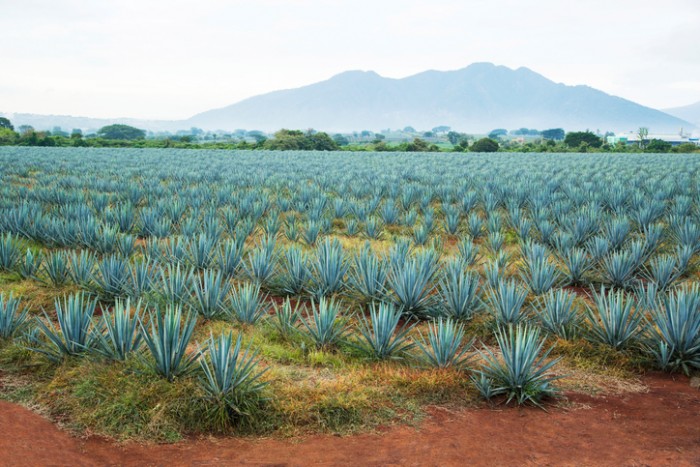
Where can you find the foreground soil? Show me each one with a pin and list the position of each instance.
(658, 427)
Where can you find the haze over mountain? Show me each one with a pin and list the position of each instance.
(87, 124)
(477, 98)
(690, 113)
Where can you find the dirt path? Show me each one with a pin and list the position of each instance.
(661, 427)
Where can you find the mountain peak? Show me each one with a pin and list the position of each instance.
(474, 99)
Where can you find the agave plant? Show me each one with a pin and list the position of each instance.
(557, 313)
(619, 268)
(444, 345)
(112, 278)
(522, 373)
(286, 318)
(56, 268)
(458, 291)
(229, 256)
(73, 336)
(295, 273)
(81, 267)
(167, 337)
(325, 326)
(12, 319)
(577, 264)
(172, 287)
(381, 336)
(142, 279)
(328, 269)
(468, 252)
(10, 252)
(675, 330)
(246, 304)
(232, 376)
(614, 320)
(261, 265)
(210, 291)
(368, 275)
(201, 251)
(540, 275)
(506, 302)
(118, 335)
(30, 265)
(411, 285)
(663, 271)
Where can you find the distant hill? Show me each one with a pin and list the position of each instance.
(477, 98)
(87, 124)
(690, 113)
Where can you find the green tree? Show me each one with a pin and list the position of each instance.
(642, 134)
(658, 145)
(485, 145)
(340, 140)
(119, 131)
(440, 129)
(556, 134)
(497, 133)
(686, 148)
(8, 136)
(5, 123)
(575, 139)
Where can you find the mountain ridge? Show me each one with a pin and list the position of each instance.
(477, 98)
(473, 99)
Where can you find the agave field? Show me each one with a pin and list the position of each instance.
(154, 293)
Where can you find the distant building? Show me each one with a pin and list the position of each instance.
(633, 138)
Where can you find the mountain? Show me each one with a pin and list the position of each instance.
(87, 124)
(690, 113)
(477, 98)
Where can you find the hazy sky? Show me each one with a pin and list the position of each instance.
(172, 59)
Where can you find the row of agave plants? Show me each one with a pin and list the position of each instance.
(230, 374)
(606, 220)
(668, 328)
(418, 281)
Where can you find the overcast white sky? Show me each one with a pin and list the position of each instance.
(171, 59)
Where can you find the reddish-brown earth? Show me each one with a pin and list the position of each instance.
(659, 427)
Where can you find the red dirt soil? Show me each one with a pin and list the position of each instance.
(660, 427)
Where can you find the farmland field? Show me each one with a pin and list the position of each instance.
(152, 294)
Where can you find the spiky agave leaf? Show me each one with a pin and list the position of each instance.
(118, 333)
(675, 330)
(246, 304)
(210, 291)
(557, 313)
(381, 336)
(614, 320)
(167, 337)
(73, 334)
(522, 373)
(325, 326)
(231, 375)
(444, 345)
(12, 319)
